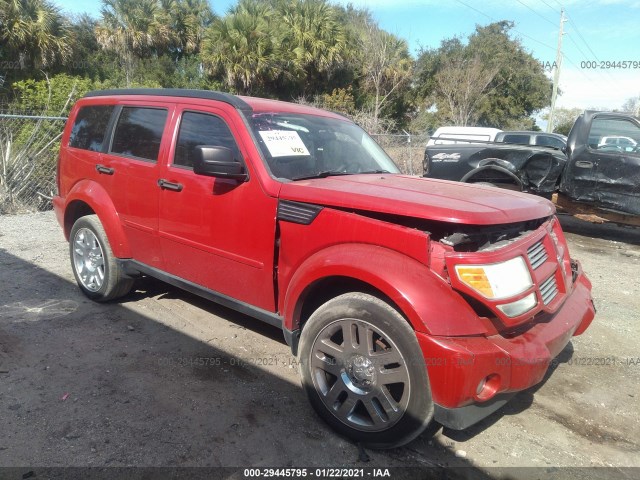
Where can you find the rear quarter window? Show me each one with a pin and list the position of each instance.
(519, 139)
(139, 132)
(89, 128)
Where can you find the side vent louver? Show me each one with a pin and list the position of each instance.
(296, 212)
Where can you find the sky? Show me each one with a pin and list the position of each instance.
(596, 32)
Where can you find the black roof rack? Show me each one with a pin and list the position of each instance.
(175, 92)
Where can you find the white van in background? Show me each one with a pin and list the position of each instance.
(465, 134)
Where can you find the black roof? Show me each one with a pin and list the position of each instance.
(175, 92)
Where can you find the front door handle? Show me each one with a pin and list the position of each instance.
(105, 170)
(584, 164)
(166, 185)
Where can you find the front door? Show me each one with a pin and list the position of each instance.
(217, 233)
(614, 158)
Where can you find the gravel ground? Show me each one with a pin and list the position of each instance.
(164, 378)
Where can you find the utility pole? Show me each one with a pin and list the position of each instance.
(556, 72)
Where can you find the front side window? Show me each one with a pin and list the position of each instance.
(202, 129)
(298, 146)
(139, 132)
(614, 135)
(90, 126)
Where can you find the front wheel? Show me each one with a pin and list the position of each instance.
(97, 272)
(364, 372)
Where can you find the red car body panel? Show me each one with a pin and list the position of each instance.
(390, 258)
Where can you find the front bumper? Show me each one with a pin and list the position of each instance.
(459, 366)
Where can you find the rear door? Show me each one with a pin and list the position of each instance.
(217, 233)
(137, 149)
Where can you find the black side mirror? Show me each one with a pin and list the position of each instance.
(218, 162)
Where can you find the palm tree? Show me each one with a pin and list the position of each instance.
(313, 34)
(132, 28)
(188, 21)
(33, 33)
(242, 46)
(385, 63)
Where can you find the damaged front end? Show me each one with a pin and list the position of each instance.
(533, 171)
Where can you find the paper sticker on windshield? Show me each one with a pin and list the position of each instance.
(284, 143)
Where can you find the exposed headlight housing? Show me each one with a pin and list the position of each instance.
(497, 281)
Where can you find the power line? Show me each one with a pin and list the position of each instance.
(515, 30)
(575, 26)
(554, 9)
(531, 38)
(475, 9)
(534, 11)
(580, 35)
(577, 46)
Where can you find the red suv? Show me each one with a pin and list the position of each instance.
(406, 299)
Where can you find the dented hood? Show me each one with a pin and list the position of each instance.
(408, 196)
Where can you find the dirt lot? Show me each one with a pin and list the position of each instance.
(166, 379)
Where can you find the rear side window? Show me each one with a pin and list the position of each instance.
(202, 129)
(90, 126)
(547, 141)
(519, 139)
(139, 132)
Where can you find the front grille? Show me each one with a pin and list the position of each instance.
(537, 254)
(549, 289)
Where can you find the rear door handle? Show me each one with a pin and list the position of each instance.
(105, 170)
(584, 164)
(166, 185)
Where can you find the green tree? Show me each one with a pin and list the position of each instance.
(241, 47)
(132, 29)
(632, 105)
(187, 21)
(33, 35)
(313, 42)
(563, 119)
(518, 86)
(386, 65)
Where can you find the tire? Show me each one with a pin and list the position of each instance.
(344, 376)
(98, 274)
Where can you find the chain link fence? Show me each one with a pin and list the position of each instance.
(28, 152)
(406, 150)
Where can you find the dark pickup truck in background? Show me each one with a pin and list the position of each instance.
(599, 168)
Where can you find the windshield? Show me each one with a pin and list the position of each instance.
(298, 146)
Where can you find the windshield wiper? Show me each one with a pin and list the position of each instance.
(331, 173)
(325, 174)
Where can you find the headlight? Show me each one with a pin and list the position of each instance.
(497, 281)
(519, 307)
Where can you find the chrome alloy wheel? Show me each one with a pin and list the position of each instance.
(360, 375)
(88, 259)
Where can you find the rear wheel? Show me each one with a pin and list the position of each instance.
(364, 372)
(98, 274)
